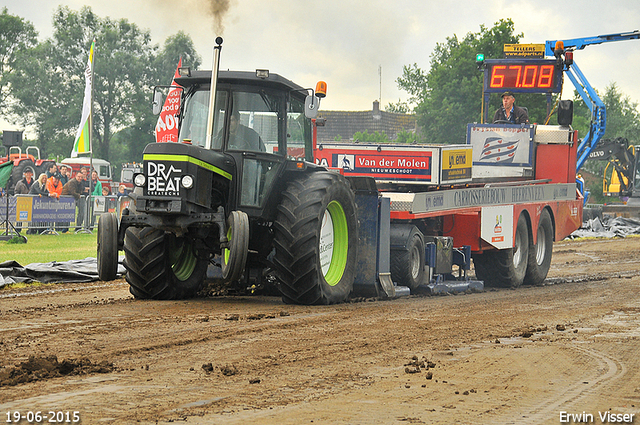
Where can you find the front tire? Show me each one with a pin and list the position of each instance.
(107, 246)
(316, 240)
(162, 266)
(234, 258)
(505, 268)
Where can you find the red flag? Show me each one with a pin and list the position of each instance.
(167, 126)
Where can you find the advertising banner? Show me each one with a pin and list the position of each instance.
(501, 150)
(456, 165)
(103, 204)
(416, 164)
(497, 226)
(501, 145)
(167, 125)
(384, 164)
(39, 209)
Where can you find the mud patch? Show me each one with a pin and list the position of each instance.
(227, 370)
(38, 368)
(416, 365)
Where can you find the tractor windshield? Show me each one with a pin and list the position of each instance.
(253, 124)
(250, 121)
(193, 126)
(243, 120)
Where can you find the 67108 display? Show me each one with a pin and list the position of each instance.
(523, 76)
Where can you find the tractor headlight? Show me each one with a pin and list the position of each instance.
(139, 180)
(187, 182)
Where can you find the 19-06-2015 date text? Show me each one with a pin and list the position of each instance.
(51, 417)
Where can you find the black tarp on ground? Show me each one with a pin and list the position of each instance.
(74, 271)
(608, 227)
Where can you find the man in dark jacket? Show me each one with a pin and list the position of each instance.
(243, 137)
(53, 168)
(64, 173)
(22, 188)
(75, 188)
(510, 112)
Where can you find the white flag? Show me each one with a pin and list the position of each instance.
(82, 143)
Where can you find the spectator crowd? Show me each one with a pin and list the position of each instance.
(57, 182)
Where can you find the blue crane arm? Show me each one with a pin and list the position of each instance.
(581, 43)
(598, 114)
(586, 92)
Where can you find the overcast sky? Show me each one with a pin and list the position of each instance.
(345, 43)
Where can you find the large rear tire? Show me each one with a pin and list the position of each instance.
(316, 240)
(505, 268)
(107, 246)
(540, 254)
(162, 266)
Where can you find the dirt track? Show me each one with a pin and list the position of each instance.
(498, 357)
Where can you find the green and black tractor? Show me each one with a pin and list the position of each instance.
(239, 190)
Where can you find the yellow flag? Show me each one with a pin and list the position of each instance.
(82, 143)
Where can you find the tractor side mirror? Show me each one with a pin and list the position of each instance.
(312, 102)
(158, 101)
(311, 106)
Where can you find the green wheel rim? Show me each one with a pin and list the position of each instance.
(183, 261)
(340, 243)
(227, 252)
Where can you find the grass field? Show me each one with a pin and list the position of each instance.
(47, 248)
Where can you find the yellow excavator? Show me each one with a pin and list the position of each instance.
(622, 172)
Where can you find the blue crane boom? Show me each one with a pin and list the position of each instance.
(584, 89)
(581, 43)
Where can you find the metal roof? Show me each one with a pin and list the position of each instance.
(240, 77)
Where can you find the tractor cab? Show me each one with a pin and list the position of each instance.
(261, 123)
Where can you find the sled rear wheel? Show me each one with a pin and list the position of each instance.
(540, 254)
(505, 267)
(407, 263)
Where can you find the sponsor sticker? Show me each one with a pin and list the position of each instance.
(163, 179)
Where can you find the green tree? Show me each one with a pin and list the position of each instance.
(449, 95)
(51, 94)
(49, 82)
(42, 102)
(365, 137)
(16, 36)
(175, 47)
(128, 144)
(623, 118)
(401, 107)
(414, 82)
(406, 137)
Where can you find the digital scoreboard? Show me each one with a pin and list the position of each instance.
(522, 76)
